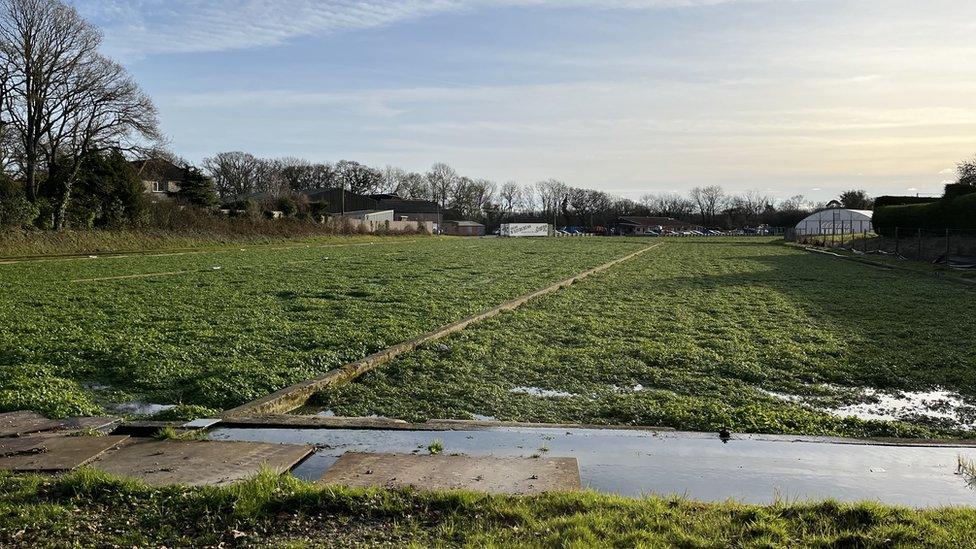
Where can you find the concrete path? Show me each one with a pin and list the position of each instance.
(753, 469)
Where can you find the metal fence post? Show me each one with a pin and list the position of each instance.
(947, 248)
(918, 256)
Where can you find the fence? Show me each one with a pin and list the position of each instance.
(950, 247)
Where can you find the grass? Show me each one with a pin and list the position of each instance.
(435, 447)
(19, 244)
(695, 335)
(221, 327)
(87, 508)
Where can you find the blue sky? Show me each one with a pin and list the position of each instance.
(630, 96)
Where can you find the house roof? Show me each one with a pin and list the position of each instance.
(403, 205)
(158, 169)
(465, 223)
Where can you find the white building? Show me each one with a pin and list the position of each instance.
(836, 221)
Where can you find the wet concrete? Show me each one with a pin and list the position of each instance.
(497, 475)
(751, 469)
(198, 463)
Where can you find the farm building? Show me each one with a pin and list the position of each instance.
(638, 226)
(464, 228)
(836, 221)
(337, 201)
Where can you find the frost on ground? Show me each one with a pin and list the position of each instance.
(536, 391)
(936, 407)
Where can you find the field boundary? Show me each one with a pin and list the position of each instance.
(886, 267)
(290, 398)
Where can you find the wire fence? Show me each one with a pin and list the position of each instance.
(952, 248)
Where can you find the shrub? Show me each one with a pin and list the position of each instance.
(17, 212)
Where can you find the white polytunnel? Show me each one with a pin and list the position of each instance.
(836, 221)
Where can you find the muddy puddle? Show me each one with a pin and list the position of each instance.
(751, 469)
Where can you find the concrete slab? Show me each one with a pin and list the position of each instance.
(499, 475)
(74, 425)
(52, 454)
(199, 463)
(15, 424)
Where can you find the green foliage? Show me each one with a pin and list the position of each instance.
(36, 387)
(955, 190)
(172, 433)
(902, 200)
(108, 193)
(691, 335)
(15, 209)
(269, 317)
(196, 188)
(186, 412)
(88, 508)
(287, 206)
(948, 213)
(435, 447)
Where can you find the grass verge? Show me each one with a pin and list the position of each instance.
(87, 508)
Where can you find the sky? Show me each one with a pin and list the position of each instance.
(784, 97)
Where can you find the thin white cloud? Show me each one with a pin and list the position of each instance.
(135, 28)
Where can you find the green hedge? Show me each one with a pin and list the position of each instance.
(902, 200)
(949, 213)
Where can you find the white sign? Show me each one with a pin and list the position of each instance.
(524, 229)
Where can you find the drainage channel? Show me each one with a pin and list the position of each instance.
(749, 468)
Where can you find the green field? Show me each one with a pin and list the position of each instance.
(219, 328)
(695, 335)
(92, 510)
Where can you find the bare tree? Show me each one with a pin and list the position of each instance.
(65, 100)
(442, 180)
(668, 205)
(297, 173)
(530, 199)
(393, 178)
(708, 200)
(235, 174)
(511, 197)
(358, 178)
(415, 186)
(270, 178)
(967, 171)
(553, 196)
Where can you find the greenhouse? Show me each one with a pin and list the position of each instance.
(836, 221)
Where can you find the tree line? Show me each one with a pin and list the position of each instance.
(238, 176)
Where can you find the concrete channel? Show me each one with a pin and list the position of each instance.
(758, 469)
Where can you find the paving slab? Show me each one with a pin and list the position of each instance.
(15, 424)
(52, 454)
(499, 475)
(199, 463)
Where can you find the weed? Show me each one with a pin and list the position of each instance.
(435, 447)
(171, 433)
